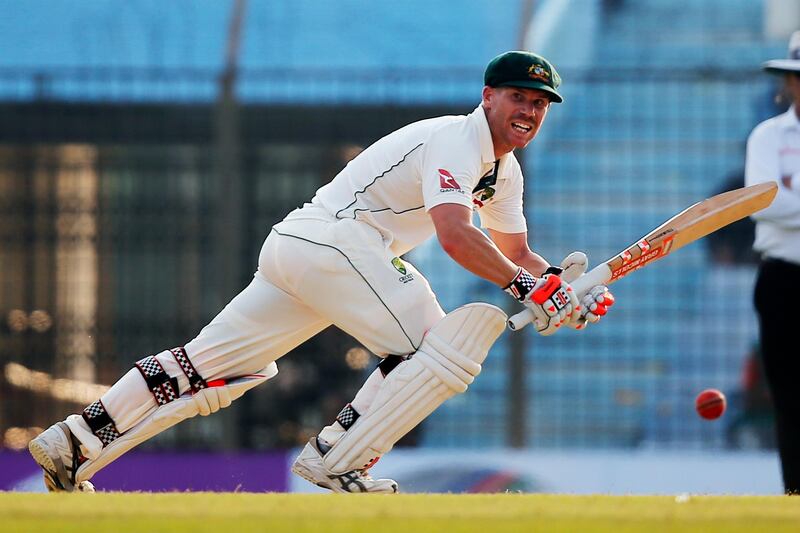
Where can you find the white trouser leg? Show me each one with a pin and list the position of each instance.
(344, 270)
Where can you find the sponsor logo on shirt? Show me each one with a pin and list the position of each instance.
(398, 265)
(482, 196)
(484, 190)
(447, 182)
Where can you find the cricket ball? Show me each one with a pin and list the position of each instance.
(710, 404)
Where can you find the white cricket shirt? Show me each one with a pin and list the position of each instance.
(773, 150)
(393, 183)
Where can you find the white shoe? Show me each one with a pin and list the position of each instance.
(310, 467)
(57, 451)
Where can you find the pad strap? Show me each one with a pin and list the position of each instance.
(164, 388)
(196, 381)
(390, 362)
(100, 422)
(158, 419)
(347, 416)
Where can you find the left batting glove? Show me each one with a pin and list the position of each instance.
(551, 300)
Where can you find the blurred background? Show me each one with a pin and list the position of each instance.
(146, 148)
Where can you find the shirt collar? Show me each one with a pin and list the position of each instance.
(478, 117)
(789, 119)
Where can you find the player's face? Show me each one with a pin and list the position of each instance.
(793, 85)
(515, 115)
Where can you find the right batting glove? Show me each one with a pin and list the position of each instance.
(595, 303)
(551, 299)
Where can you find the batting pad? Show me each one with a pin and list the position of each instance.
(163, 417)
(447, 361)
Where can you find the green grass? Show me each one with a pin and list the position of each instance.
(417, 513)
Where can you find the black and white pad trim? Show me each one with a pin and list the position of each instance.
(196, 382)
(164, 388)
(100, 423)
(347, 416)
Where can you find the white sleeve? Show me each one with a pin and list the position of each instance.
(448, 176)
(505, 214)
(762, 164)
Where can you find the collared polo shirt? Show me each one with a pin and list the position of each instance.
(773, 151)
(395, 182)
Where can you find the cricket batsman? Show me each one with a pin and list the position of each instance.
(336, 260)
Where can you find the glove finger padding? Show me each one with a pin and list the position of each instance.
(596, 303)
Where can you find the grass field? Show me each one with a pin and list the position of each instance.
(234, 513)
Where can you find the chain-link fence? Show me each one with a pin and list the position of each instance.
(118, 220)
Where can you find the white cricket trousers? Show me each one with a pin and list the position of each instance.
(314, 271)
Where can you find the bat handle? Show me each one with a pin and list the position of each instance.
(520, 320)
(599, 275)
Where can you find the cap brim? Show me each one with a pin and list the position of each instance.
(532, 84)
(780, 66)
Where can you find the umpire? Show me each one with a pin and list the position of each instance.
(773, 154)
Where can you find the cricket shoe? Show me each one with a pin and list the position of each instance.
(310, 467)
(58, 452)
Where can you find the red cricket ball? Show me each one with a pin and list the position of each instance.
(710, 404)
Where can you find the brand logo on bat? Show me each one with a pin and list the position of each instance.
(662, 234)
(629, 265)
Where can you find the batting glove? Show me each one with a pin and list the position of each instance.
(551, 300)
(595, 303)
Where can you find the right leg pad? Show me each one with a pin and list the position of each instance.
(446, 363)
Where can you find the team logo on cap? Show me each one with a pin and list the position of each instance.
(538, 72)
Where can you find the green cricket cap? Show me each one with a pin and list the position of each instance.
(523, 69)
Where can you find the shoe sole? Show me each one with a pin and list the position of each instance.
(305, 474)
(39, 454)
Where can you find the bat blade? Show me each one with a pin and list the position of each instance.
(689, 225)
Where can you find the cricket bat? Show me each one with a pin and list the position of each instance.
(686, 227)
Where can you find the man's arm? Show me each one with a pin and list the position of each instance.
(470, 247)
(515, 247)
(550, 299)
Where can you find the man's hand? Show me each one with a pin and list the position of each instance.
(595, 303)
(551, 300)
